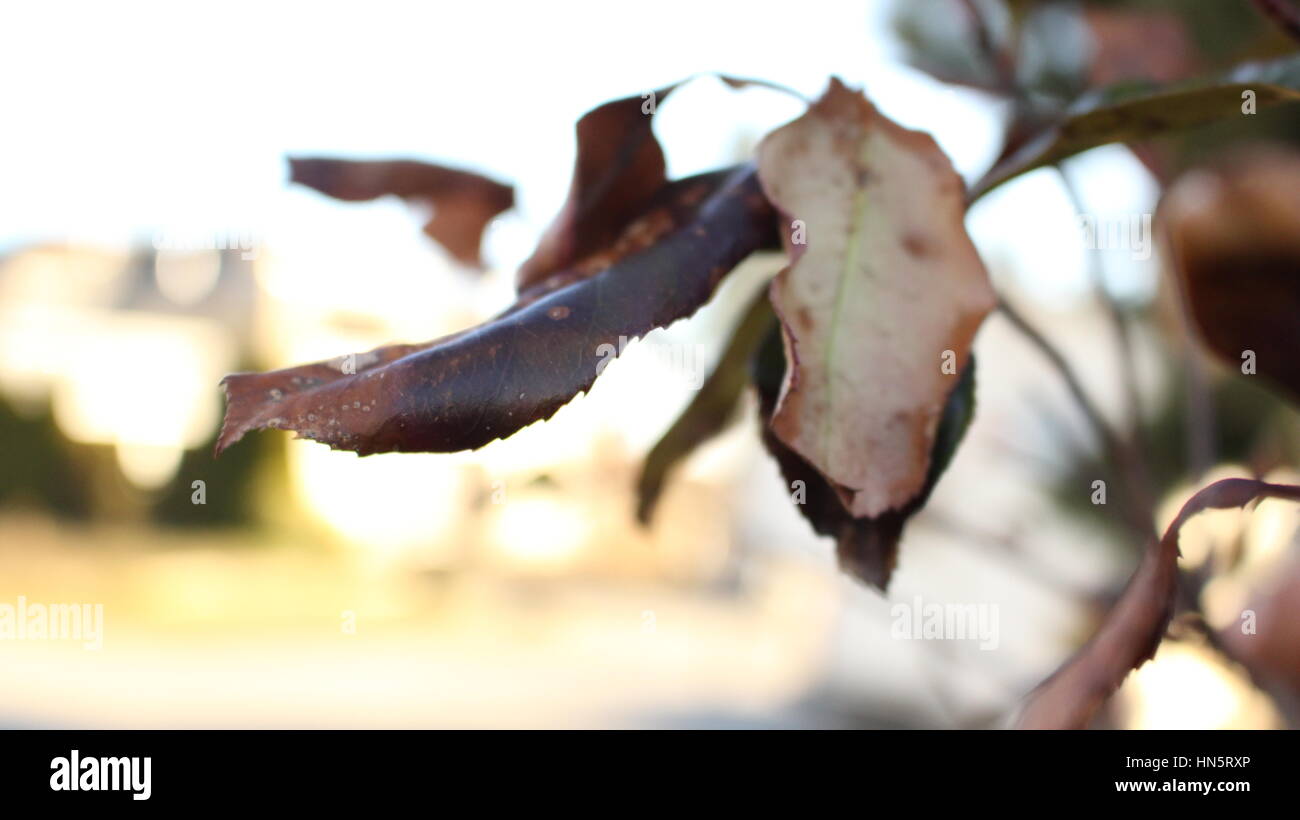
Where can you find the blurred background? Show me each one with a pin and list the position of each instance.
(150, 244)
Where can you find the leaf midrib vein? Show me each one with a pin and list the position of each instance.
(850, 263)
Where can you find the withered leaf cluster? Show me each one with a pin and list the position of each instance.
(859, 350)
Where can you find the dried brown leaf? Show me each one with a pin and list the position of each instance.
(887, 291)
(865, 547)
(1133, 628)
(618, 170)
(1234, 236)
(619, 167)
(485, 383)
(463, 203)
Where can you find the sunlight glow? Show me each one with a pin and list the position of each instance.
(1187, 687)
(539, 533)
(396, 504)
(110, 387)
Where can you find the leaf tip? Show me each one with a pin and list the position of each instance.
(233, 424)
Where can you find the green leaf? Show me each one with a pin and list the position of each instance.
(1136, 111)
(711, 408)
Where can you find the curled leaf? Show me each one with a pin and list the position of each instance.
(619, 167)
(486, 383)
(1133, 628)
(618, 170)
(881, 302)
(463, 202)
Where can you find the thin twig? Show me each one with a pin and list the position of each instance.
(1200, 401)
(1121, 455)
(1120, 323)
(1138, 497)
(998, 58)
(1009, 548)
(1200, 417)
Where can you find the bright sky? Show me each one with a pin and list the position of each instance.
(127, 119)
